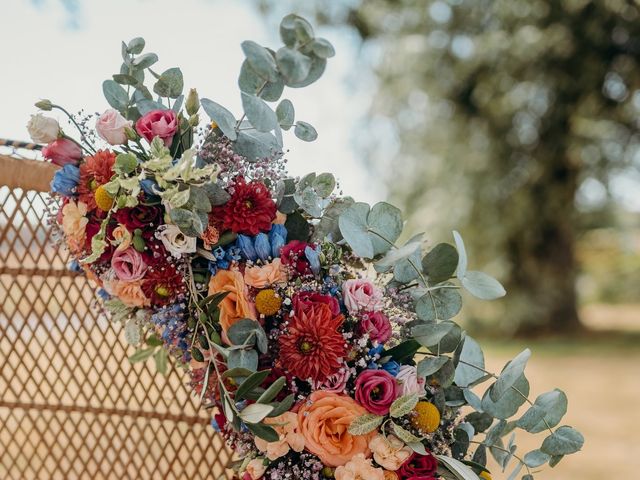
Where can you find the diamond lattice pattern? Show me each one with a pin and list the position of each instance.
(71, 404)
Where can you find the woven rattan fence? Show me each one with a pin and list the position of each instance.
(71, 404)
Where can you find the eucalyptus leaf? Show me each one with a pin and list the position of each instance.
(509, 403)
(116, 95)
(285, 113)
(305, 131)
(258, 113)
(564, 441)
(161, 359)
(170, 84)
(546, 412)
(136, 45)
(385, 224)
(323, 48)
(461, 269)
(243, 358)
(223, 118)
(355, 230)
(483, 286)
(316, 70)
(250, 82)
(510, 374)
(471, 354)
(439, 304)
(293, 65)
(145, 61)
(428, 334)
(431, 365)
(440, 263)
(255, 145)
(536, 458)
(261, 61)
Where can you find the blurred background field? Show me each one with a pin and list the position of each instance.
(513, 121)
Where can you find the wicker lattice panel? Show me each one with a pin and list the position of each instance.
(71, 405)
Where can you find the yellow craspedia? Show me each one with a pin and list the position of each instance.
(268, 302)
(426, 417)
(103, 199)
(214, 125)
(486, 476)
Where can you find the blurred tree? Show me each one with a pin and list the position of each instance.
(505, 112)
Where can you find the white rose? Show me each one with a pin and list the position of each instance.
(43, 129)
(408, 378)
(110, 126)
(175, 241)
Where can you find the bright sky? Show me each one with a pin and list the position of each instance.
(48, 53)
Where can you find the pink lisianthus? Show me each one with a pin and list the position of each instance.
(361, 295)
(111, 127)
(376, 325)
(335, 383)
(128, 265)
(63, 151)
(409, 380)
(158, 123)
(376, 390)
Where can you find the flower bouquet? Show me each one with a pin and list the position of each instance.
(326, 349)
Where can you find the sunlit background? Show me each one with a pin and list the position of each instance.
(515, 122)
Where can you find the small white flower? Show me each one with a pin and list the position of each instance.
(176, 242)
(43, 129)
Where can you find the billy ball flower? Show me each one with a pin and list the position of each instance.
(426, 417)
(103, 200)
(268, 302)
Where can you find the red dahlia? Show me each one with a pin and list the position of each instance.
(162, 284)
(250, 209)
(96, 170)
(313, 348)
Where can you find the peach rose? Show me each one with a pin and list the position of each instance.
(324, 419)
(390, 475)
(235, 305)
(280, 219)
(290, 438)
(74, 222)
(269, 274)
(256, 468)
(121, 237)
(129, 293)
(359, 468)
(389, 452)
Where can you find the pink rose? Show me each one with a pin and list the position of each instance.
(361, 295)
(376, 390)
(304, 300)
(335, 383)
(158, 123)
(63, 151)
(110, 126)
(377, 325)
(128, 265)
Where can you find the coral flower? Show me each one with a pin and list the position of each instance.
(262, 276)
(74, 223)
(313, 348)
(96, 170)
(324, 419)
(235, 305)
(359, 468)
(250, 209)
(290, 438)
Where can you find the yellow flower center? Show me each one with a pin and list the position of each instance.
(426, 417)
(103, 199)
(268, 302)
(305, 347)
(162, 291)
(486, 476)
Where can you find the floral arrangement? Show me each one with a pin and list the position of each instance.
(326, 349)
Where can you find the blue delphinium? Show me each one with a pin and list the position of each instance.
(313, 257)
(392, 367)
(66, 180)
(171, 320)
(264, 245)
(224, 256)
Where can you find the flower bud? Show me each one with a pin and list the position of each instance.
(44, 105)
(193, 102)
(194, 120)
(130, 133)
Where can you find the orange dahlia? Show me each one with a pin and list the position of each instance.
(94, 172)
(312, 346)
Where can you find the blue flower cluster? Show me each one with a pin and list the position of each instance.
(66, 180)
(264, 245)
(223, 258)
(171, 319)
(391, 366)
